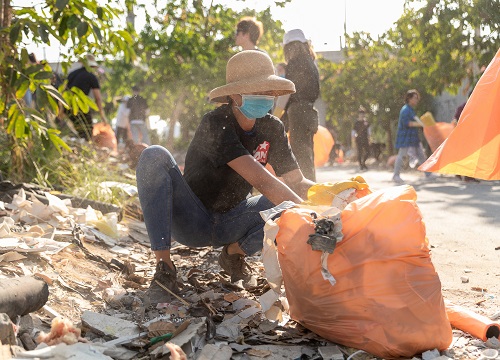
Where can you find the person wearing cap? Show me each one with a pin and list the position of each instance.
(210, 205)
(139, 111)
(249, 30)
(361, 132)
(301, 115)
(86, 81)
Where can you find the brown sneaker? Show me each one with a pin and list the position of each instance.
(236, 266)
(168, 278)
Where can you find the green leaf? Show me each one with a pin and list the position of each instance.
(73, 21)
(61, 4)
(43, 31)
(33, 69)
(20, 126)
(99, 12)
(22, 89)
(63, 26)
(57, 141)
(97, 32)
(52, 91)
(82, 28)
(14, 32)
(35, 114)
(43, 75)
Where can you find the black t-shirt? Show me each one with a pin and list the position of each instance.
(138, 106)
(361, 128)
(83, 80)
(302, 71)
(218, 140)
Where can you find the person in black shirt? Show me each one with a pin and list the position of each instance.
(138, 112)
(301, 115)
(86, 81)
(361, 134)
(211, 203)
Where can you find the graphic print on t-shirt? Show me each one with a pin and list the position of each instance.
(260, 154)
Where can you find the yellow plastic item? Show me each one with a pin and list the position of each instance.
(324, 193)
(387, 297)
(427, 119)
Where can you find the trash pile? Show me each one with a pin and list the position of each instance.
(73, 277)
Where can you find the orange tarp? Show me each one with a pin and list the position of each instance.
(473, 148)
(436, 134)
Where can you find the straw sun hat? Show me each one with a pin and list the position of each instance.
(248, 72)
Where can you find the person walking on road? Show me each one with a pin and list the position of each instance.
(407, 137)
(361, 131)
(211, 204)
(139, 111)
(301, 115)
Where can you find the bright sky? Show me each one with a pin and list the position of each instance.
(321, 20)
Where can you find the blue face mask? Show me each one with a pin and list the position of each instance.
(256, 106)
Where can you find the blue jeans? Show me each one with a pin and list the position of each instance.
(402, 152)
(172, 210)
(140, 129)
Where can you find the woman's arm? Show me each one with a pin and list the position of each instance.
(261, 179)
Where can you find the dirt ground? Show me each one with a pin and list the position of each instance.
(462, 221)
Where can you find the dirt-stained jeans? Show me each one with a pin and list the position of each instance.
(172, 210)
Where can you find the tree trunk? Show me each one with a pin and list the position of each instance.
(20, 296)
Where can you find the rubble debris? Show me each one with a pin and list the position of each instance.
(214, 352)
(61, 331)
(7, 334)
(108, 326)
(20, 296)
(464, 279)
(430, 354)
(331, 352)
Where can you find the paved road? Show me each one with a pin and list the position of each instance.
(463, 228)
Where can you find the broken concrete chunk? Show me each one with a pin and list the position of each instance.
(7, 335)
(108, 325)
(331, 353)
(214, 352)
(430, 354)
(191, 335)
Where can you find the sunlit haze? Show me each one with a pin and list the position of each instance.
(321, 20)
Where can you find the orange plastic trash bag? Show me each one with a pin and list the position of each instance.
(323, 144)
(386, 298)
(104, 136)
(436, 134)
(473, 148)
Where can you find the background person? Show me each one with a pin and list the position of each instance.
(407, 135)
(139, 111)
(361, 132)
(249, 30)
(210, 204)
(86, 81)
(300, 112)
(122, 121)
